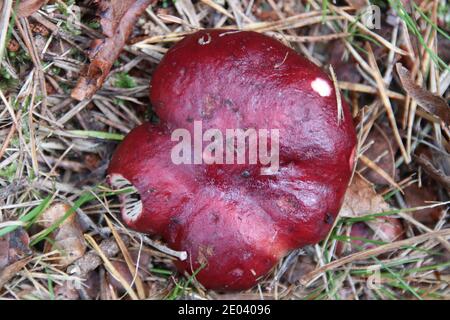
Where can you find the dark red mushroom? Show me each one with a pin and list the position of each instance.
(235, 221)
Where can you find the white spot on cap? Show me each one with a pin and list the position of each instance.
(206, 39)
(321, 87)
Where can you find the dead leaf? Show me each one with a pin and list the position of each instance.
(110, 13)
(68, 238)
(381, 151)
(117, 19)
(304, 265)
(144, 257)
(418, 197)
(12, 270)
(436, 174)
(91, 288)
(122, 268)
(361, 199)
(14, 246)
(430, 103)
(264, 13)
(346, 70)
(440, 158)
(388, 229)
(26, 8)
(443, 47)
(356, 230)
(66, 291)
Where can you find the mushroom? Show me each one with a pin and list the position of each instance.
(236, 220)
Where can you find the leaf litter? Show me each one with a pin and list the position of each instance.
(64, 111)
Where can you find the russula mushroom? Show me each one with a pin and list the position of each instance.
(235, 221)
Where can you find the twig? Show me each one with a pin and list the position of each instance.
(4, 26)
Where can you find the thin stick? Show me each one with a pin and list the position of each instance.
(133, 269)
(218, 8)
(372, 165)
(4, 26)
(340, 113)
(386, 102)
(7, 140)
(111, 268)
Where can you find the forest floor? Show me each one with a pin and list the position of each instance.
(391, 238)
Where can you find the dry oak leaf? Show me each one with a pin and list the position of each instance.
(68, 238)
(117, 19)
(361, 199)
(429, 102)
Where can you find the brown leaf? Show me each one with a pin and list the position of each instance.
(387, 228)
(13, 247)
(361, 199)
(110, 13)
(303, 266)
(356, 230)
(117, 19)
(26, 8)
(66, 291)
(436, 174)
(418, 197)
(68, 238)
(124, 271)
(430, 103)
(346, 70)
(441, 159)
(443, 47)
(381, 151)
(91, 287)
(12, 270)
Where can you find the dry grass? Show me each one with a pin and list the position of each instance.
(53, 145)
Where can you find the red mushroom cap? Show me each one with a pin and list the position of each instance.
(234, 222)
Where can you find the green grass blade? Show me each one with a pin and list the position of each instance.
(427, 19)
(85, 197)
(44, 233)
(98, 135)
(30, 216)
